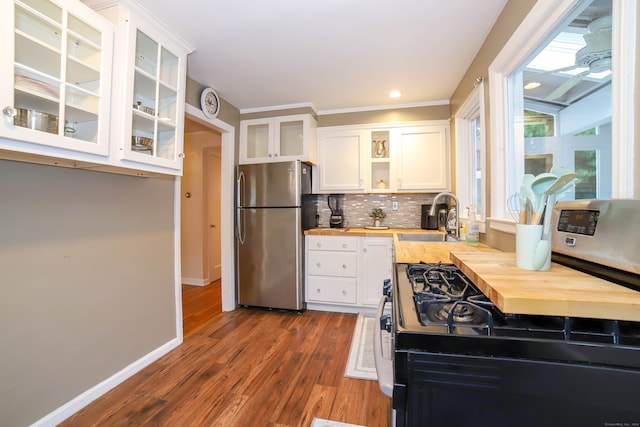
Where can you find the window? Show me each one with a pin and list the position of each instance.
(471, 162)
(596, 140)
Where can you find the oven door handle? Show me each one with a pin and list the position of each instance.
(384, 366)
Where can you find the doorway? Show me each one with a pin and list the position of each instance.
(200, 226)
(227, 185)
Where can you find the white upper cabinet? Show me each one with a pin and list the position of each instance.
(150, 88)
(389, 158)
(278, 139)
(422, 158)
(62, 104)
(340, 167)
(55, 79)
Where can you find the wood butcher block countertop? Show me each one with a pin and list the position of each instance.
(411, 252)
(358, 231)
(560, 291)
(407, 251)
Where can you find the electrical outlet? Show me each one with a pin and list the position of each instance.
(394, 206)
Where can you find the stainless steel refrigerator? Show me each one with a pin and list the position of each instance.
(274, 206)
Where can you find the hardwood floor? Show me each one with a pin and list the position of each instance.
(244, 368)
(200, 304)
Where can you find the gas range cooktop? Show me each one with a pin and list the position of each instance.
(445, 298)
(440, 301)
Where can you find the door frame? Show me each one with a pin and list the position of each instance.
(208, 153)
(227, 174)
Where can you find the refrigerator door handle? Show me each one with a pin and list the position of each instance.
(239, 217)
(241, 226)
(239, 189)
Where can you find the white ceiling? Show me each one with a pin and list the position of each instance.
(332, 54)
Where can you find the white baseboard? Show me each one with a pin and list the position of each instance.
(195, 282)
(65, 411)
(341, 308)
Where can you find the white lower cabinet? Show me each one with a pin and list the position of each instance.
(332, 265)
(331, 290)
(377, 266)
(346, 271)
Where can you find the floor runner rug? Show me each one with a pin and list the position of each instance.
(361, 363)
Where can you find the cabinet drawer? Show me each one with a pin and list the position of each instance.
(331, 289)
(332, 243)
(324, 263)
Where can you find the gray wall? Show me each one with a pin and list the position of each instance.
(411, 114)
(87, 277)
(511, 17)
(228, 113)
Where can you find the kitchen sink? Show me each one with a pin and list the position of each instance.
(425, 237)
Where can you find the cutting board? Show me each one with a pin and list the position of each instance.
(560, 291)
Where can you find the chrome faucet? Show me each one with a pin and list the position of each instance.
(432, 211)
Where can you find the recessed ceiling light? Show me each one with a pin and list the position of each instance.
(532, 85)
(395, 94)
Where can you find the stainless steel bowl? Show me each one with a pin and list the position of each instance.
(141, 143)
(36, 120)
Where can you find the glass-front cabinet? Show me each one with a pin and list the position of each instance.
(55, 75)
(153, 99)
(278, 139)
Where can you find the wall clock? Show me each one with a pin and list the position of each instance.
(210, 103)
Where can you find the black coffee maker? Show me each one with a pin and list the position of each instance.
(335, 204)
(429, 222)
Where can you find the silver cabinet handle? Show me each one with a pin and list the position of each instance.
(318, 265)
(344, 266)
(344, 246)
(344, 292)
(9, 111)
(319, 245)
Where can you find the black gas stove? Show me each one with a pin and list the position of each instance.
(453, 347)
(440, 301)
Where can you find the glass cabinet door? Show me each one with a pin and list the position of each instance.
(291, 138)
(258, 141)
(277, 139)
(155, 99)
(58, 73)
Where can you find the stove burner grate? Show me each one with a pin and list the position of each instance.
(455, 313)
(445, 297)
(459, 313)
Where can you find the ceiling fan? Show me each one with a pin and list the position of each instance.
(595, 56)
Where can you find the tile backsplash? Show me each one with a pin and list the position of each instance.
(356, 209)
